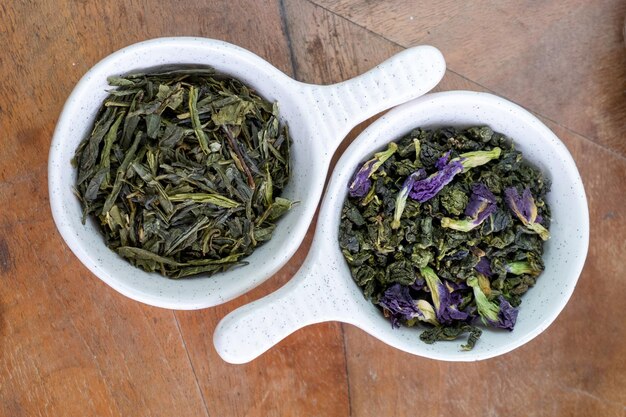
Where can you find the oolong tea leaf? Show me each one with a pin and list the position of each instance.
(183, 171)
(445, 229)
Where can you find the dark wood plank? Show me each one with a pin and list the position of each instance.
(576, 367)
(563, 59)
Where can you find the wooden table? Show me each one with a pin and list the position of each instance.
(71, 346)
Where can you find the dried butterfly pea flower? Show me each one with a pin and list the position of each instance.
(484, 266)
(482, 204)
(475, 159)
(361, 182)
(398, 302)
(525, 209)
(427, 188)
(482, 198)
(403, 194)
(443, 161)
(445, 304)
(501, 314)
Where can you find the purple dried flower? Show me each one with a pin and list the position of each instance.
(507, 315)
(418, 284)
(482, 204)
(427, 188)
(501, 315)
(403, 194)
(525, 209)
(448, 310)
(484, 266)
(444, 300)
(398, 302)
(481, 198)
(443, 161)
(522, 206)
(361, 182)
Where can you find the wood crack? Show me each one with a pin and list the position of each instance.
(193, 370)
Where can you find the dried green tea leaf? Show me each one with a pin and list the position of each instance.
(138, 253)
(176, 175)
(232, 114)
(218, 200)
(195, 120)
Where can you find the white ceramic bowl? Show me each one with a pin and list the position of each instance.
(323, 289)
(319, 117)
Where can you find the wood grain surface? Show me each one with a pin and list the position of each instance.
(563, 59)
(71, 346)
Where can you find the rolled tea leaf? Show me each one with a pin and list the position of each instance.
(440, 213)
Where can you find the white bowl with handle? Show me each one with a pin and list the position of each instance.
(323, 289)
(319, 117)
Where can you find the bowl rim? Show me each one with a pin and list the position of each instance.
(56, 163)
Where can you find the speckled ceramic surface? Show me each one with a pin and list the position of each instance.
(319, 117)
(323, 289)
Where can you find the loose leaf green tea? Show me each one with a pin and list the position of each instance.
(445, 228)
(183, 171)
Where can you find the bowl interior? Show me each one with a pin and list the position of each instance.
(77, 119)
(564, 253)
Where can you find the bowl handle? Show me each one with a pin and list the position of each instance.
(307, 298)
(405, 76)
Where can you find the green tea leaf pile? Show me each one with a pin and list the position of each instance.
(445, 229)
(183, 171)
